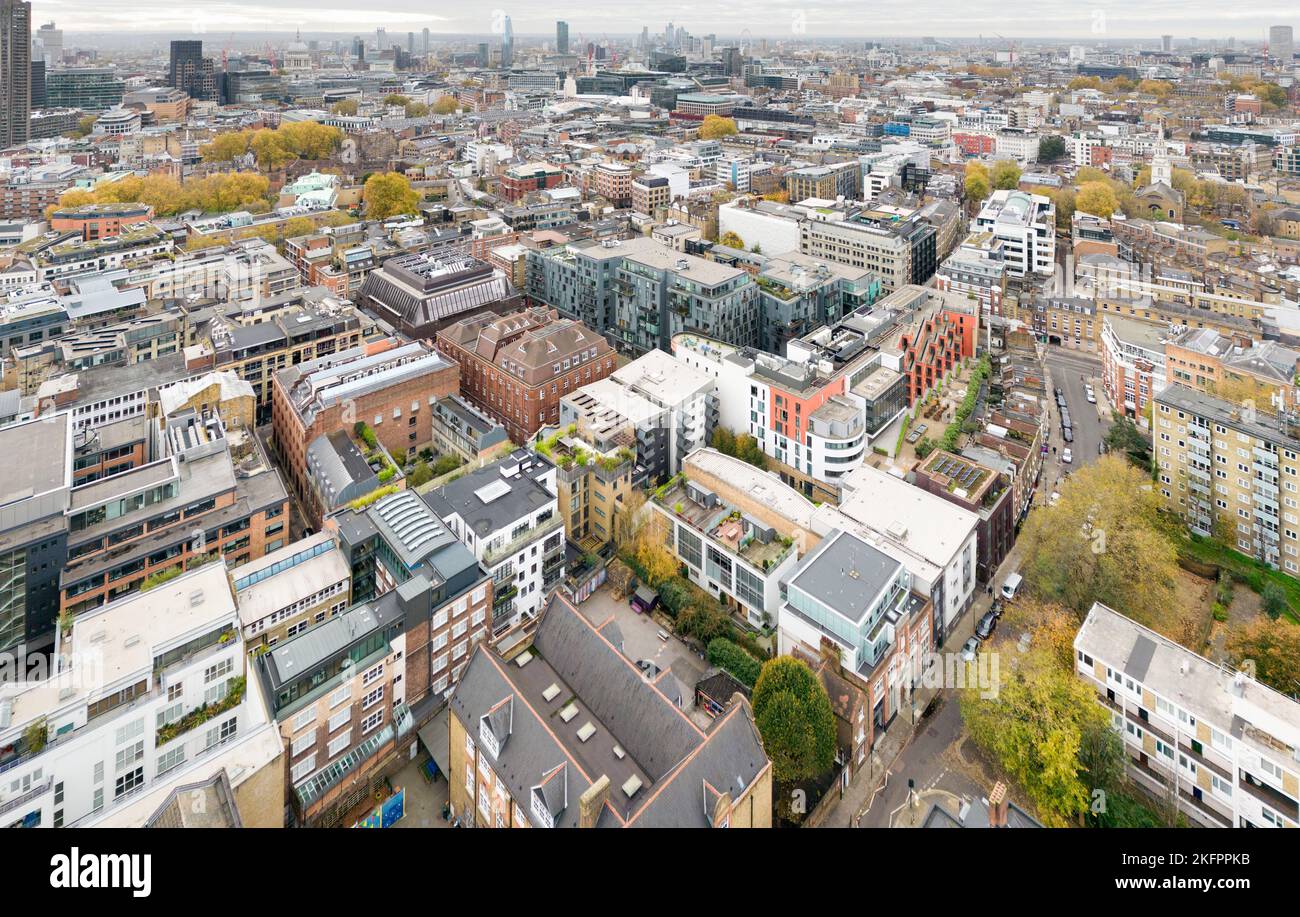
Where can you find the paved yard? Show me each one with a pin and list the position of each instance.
(641, 637)
(424, 801)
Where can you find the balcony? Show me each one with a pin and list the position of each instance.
(494, 556)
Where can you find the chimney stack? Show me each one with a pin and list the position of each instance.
(592, 801)
(998, 806)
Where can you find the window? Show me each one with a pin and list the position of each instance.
(128, 783)
(372, 721)
(129, 755)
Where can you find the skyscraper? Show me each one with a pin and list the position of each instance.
(561, 37)
(507, 46)
(15, 71)
(51, 40)
(191, 72)
(1166, 43)
(1281, 44)
(426, 42)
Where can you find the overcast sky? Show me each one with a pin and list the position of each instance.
(1246, 20)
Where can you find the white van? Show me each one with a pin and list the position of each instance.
(1011, 586)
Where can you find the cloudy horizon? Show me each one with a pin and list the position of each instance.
(1046, 19)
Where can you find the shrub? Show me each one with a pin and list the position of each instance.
(727, 655)
(446, 464)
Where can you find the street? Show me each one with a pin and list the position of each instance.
(1071, 371)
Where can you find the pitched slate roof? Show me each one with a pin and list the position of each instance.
(637, 731)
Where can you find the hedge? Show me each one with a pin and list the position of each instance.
(727, 655)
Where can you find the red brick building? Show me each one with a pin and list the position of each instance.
(390, 387)
(518, 181)
(99, 221)
(517, 367)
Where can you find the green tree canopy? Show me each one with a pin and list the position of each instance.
(795, 719)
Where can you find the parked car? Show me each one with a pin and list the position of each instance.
(1011, 586)
(984, 629)
(1059, 394)
(996, 608)
(1067, 456)
(1065, 418)
(1092, 399)
(969, 649)
(1068, 435)
(1101, 448)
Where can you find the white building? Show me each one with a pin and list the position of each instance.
(729, 552)
(1026, 225)
(773, 226)
(935, 539)
(121, 714)
(689, 395)
(1226, 745)
(1020, 144)
(508, 514)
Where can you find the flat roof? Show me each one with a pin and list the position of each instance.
(44, 444)
(846, 574)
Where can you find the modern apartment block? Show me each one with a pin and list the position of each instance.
(839, 180)
(187, 504)
(148, 693)
(343, 690)
(1221, 744)
(799, 293)
(1132, 363)
(517, 367)
(508, 515)
(567, 732)
(977, 270)
(1231, 471)
(814, 413)
(256, 347)
(1026, 226)
(936, 540)
(856, 598)
(898, 253)
(738, 557)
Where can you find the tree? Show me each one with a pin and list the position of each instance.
(977, 183)
(795, 719)
(1033, 728)
(649, 549)
(225, 147)
(1006, 174)
(1274, 599)
(389, 194)
(715, 126)
(416, 110)
(724, 441)
(269, 149)
(1084, 82)
(1157, 88)
(1051, 148)
(731, 240)
(420, 474)
(1104, 541)
(1124, 437)
(1273, 647)
(345, 107)
(445, 105)
(1063, 198)
(704, 622)
(1098, 199)
(396, 100)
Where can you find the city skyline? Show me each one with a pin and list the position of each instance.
(530, 18)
